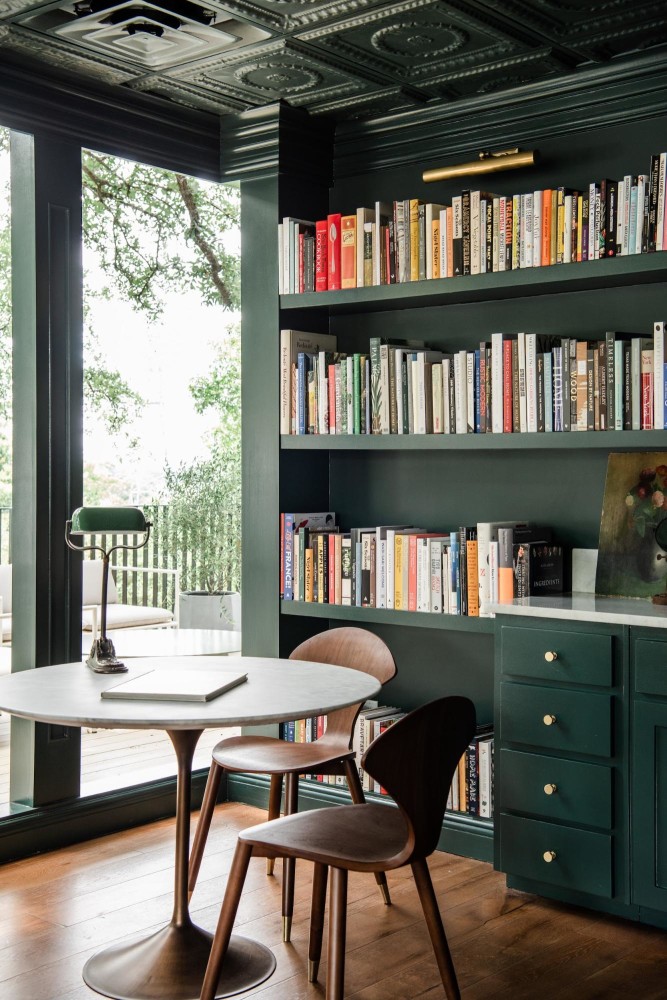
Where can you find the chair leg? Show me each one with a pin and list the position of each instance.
(289, 865)
(357, 794)
(337, 927)
(204, 823)
(223, 931)
(435, 928)
(275, 795)
(317, 920)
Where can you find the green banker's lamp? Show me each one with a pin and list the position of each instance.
(106, 521)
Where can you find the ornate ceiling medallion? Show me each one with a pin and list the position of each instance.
(278, 77)
(417, 39)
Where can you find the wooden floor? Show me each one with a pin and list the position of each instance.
(60, 908)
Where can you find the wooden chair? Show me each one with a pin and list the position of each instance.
(415, 761)
(331, 754)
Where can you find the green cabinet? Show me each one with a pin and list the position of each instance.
(649, 773)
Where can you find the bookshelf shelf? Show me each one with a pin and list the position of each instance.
(615, 272)
(387, 616)
(586, 440)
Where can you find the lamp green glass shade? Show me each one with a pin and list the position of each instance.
(109, 520)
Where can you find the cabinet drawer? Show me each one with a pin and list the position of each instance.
(567, 790)
(580, 657)
(651, 667)
(580, 859)
(577, 721)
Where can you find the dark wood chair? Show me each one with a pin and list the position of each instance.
(415, 761)
(330, 755)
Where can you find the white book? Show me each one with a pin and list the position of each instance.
(521, 363)
(493, 572)
(436, 392)
(384, 383)
(292, 343)
(502, 222)
(422, 390)
(434, 546)
(661, 202)
(641, 194)
(470, 390)
(176, 685)
(528, 230)
(460, 392)
(444, 251)
(537, 228)
(446, 580)
(520, 205)
(627, 201)
(497, 363)
(620, 215)
(423, 576)
(484, 760)
(659, 375)
(531, 382)
(281, 261)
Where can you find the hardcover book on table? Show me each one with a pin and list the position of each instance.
(176, 685)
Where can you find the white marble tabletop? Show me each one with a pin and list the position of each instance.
(588, 608)
(277, 690)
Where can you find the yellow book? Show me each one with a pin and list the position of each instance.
(473, 578)
(308, 574)
(414, 239)
(580, 226)
(399, 602)
(435, 248)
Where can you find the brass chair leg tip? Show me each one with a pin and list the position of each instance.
(287, 929)
(384, 889)
(270, 865)
(313, 969)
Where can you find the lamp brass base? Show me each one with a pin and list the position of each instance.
(102, 658)
(170, 965)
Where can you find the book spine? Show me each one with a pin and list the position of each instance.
(505, 565)
(333, 251)
(348, 251)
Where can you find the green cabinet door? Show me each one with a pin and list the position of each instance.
(649, 809)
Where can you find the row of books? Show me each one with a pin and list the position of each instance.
(471, 790)
(413, 240)
(512, 383)
(407, 568)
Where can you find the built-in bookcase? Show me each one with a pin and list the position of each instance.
(439, 482)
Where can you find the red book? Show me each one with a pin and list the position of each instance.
(647, 390)
(333, 251)
(321, 244)
(507, 386)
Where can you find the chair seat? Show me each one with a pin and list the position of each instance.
(358, 837)
(266, 755)
(128, 616)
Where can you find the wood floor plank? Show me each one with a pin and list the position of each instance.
(62, 907)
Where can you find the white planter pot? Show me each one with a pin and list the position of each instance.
(198, 609)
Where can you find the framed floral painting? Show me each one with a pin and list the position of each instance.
(631, 562)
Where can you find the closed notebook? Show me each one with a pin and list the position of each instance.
(176, 685)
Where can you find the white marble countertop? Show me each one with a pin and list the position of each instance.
(588, 608)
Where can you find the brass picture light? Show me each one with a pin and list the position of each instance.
(487, 163)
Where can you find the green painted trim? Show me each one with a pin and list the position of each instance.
(587, 440)
(387, 616)
(46, 829)
(627, 90)
(639, 269)
(461, 834)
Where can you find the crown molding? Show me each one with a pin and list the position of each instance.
(619, 92)
(107, 118)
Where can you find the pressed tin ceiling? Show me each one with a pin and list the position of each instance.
(345, 58)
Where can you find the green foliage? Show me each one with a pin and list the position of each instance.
(204, 501)
(221, 390)
(135, 219)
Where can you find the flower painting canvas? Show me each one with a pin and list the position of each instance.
(631, 563)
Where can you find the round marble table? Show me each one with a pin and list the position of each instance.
(131, 642)
(170, 964)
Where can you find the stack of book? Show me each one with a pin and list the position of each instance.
(471, 791)
(413, 240)
(408, 568)
(512, 383)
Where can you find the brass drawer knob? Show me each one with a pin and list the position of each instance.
(549, 720)
(549, 856)
(551, 655)
(550, 789)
